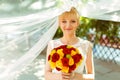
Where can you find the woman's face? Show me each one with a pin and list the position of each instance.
(68, 24)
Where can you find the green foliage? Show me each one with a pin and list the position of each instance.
(85, 25)
(58, 33)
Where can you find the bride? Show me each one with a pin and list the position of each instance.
(68, 22)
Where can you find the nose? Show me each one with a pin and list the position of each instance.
(68, 25)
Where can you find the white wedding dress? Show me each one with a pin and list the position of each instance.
(82, 45)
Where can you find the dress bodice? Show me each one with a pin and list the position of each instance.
(82, 45)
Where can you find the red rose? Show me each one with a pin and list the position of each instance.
(49, 57)
(55, 57)
(58, 68)
(72, 49)
(61, 47)
(65, 62)
(66, 51)
(77, 58)
(71, 68)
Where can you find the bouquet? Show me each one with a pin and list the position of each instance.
(65, 58)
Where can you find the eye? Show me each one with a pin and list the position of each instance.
(64, 21)
(73, 21)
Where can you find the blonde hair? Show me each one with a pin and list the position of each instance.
(72, 12)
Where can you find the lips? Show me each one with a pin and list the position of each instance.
(68, 29)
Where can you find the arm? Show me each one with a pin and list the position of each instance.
(89, 67)
(89, 64)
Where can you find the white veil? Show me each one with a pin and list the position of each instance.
(23, 38)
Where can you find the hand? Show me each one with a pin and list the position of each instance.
(66, 76)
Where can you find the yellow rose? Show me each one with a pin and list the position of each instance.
(52, 52)
(60, 52)
(65, 69)
(68, 46)
(59, 64)
(73, 52)
(71, 61)
(52, 64)
(78, 51)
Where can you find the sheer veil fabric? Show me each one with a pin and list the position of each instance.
(33, 31)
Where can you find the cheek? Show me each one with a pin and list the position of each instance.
(75, 26)
(61, 26)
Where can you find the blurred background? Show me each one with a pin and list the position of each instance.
(25, 29)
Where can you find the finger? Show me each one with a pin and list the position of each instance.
(66, 77)
(72, 74)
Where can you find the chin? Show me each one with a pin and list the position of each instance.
(69, 32)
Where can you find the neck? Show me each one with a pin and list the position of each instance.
(69, 36)
(69, 39)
